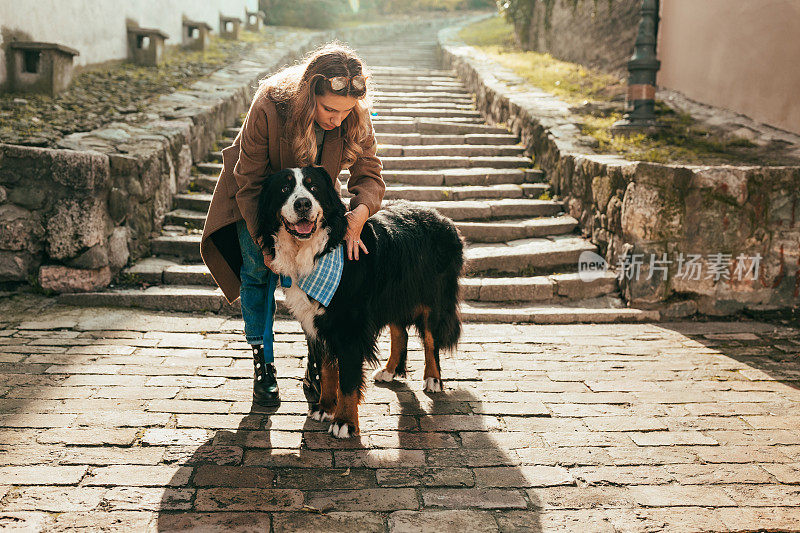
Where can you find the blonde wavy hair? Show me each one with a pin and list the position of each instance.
(294, 90)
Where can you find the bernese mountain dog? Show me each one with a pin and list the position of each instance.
(408, 277)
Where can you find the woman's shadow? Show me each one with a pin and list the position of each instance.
(420, 459)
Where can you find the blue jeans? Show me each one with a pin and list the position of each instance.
(257, 293)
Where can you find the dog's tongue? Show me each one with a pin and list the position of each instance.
(304, 226)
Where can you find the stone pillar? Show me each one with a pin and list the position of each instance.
(252, 21)
(229, 27)
(146, 46)
(196, 35)
(35, 67)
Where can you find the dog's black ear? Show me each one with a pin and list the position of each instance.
(333, 210)
(268, 213)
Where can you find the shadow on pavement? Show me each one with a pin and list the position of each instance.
(422, 463)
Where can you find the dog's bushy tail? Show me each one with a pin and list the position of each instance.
(446, 327)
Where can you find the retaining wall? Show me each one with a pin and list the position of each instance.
(637, 212)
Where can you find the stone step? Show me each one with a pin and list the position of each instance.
(382, 82)
(515, 229)
(378, 119)
(418, 125)
(460, 176)
(488, 248)
(182, 298)
(186, 218)
(192, 201)
(495, 209)
(406, 99)
(419, 139)
(391, 84)
(185, 246)
(456, 210)
(552, 288)
(424, 163)
(555, 287)
(378, 77)
(434, 127)
(429, 193)
(474, 232)
(463, 150)
(434, 94)
(423, 90)
(161, 271)
(469, 192)
(193, 299)
(460, 150)
(596, 311)
(449, 177)
(386, 105)
(432, 162)
(527, 256)
(386, 70)
(414, 112)
(209, 168)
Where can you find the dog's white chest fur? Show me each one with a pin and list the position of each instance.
(297, 259)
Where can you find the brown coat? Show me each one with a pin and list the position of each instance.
(258, 151)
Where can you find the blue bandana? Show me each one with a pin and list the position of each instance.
(322, 283)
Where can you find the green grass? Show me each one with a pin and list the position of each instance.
(569, 81)
(681, 139)
(494, 31)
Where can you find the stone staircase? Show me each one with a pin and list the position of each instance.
(522, 252)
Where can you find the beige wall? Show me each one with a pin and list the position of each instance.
(743, 55)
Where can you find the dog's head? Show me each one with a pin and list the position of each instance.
(303, 201)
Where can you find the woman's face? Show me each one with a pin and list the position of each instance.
(331, 109)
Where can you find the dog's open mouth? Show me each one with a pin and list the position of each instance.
(302, 229)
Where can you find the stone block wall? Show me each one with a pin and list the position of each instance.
(73, 217)
(636, 212)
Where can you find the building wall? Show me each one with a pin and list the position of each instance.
(96, 28)
(741, 55)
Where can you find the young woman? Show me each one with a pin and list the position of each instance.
(315, 112)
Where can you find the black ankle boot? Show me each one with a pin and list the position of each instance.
(265, 383)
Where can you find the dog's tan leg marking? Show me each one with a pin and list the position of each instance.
(345, 420)
(432, 378)
(329, 385)
(399, 345)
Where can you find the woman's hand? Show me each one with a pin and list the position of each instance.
(355, 222)
(267, 259)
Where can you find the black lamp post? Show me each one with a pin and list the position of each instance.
(642, 68)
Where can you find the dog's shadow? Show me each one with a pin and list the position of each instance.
(418, 453)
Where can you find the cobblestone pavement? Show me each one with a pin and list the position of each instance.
(142, 421)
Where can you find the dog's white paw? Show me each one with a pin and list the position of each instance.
(341, 430)
(432, 385)
(320, 415)
(382, 375)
